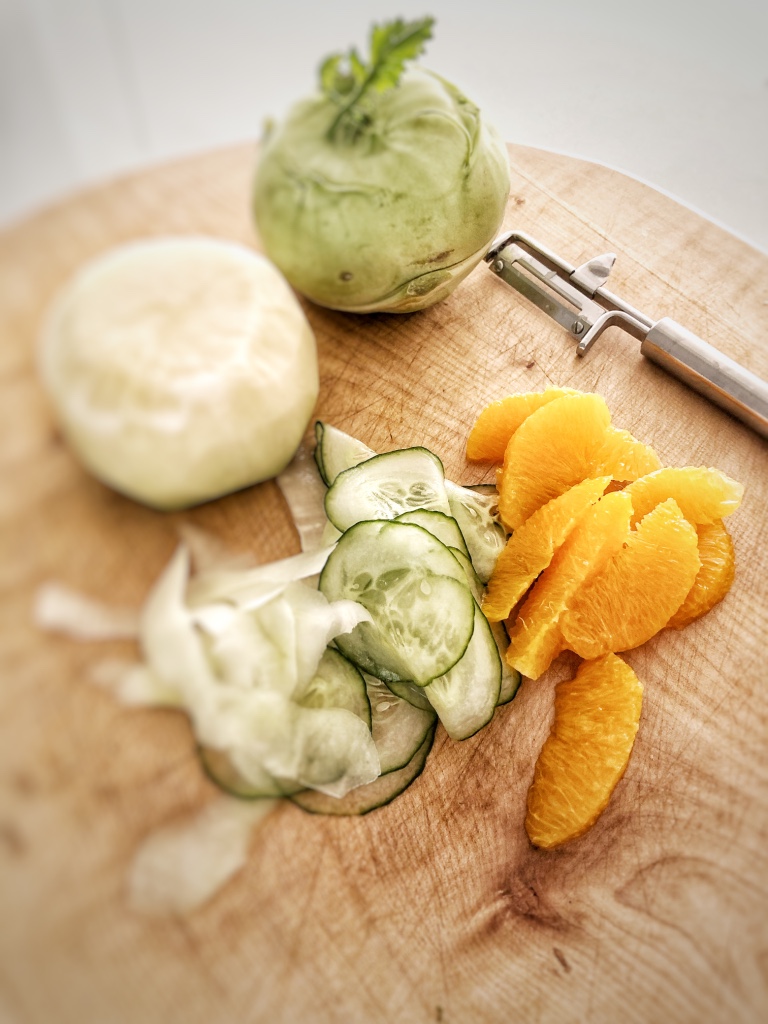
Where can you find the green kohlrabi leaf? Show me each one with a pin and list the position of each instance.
(392, 45)
(346, 79)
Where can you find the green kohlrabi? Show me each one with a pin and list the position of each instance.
(384, 190)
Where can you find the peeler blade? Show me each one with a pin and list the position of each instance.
(564, 303)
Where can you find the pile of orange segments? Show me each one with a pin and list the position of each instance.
(607, 548)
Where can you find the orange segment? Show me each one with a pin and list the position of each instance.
(498, 421)
(626, 458)
(535, 637)
(587, 751)
(714, 578)
(704, 495)
(636, 593)
(559, 445)
(530, 548)
(552, 450)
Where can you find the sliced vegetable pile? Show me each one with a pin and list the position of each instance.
(327, 690)
(416, 552)
(321, 677)
(413, 550)
(608, 548)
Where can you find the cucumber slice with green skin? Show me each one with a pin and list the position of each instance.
(336, 684)
(398, 727)
(411, 692)
(510, 684)
(386, 486)
(220, 770)
(422, 624)
(444, 527)
(376, 794)
(319, 431)
(484, 536)
(337, 451)
(510, 677)
(473, 580)
(328, 749)
(465, 698)
(416, 593)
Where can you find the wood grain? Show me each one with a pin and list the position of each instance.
(435, 908)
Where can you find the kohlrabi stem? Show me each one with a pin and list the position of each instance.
(392, 45)
(351, 102)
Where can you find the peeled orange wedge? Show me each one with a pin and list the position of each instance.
(704, 495)
(587, 751)
(535, 637)
(624, 457)
(636, 593)
(714, 578)
(558, 446)
(495, 425)
(530, 548)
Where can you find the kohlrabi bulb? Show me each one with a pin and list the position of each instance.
(180, 369)
(390, 212)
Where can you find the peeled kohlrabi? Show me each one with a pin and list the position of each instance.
(382, 192)
(180, 369)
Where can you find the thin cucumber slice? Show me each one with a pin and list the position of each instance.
(329, 749)
(376, 794)
(421, 626)
(476, 587)
(510, 684)
(465, 698)
(444, 527)
(336, 684)
(398, 727)
(319, 431)
(220, 770)
(416, 593)
(510, 677)
(484, 535)
(337, 451)
(386, 486)
(411, 692)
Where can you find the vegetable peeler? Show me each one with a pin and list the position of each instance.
(576, 297)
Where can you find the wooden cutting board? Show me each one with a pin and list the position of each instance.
(435, 908)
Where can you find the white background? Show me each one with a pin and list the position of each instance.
(674, 92)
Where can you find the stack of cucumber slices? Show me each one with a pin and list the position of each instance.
(414, 550)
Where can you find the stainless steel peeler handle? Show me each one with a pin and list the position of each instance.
(576, 297)
(702, 367)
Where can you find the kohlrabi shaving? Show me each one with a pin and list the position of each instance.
(304, 491)
(235, 668)
(239, 651)
(60, 609)
(385, 189)
(182, 864)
